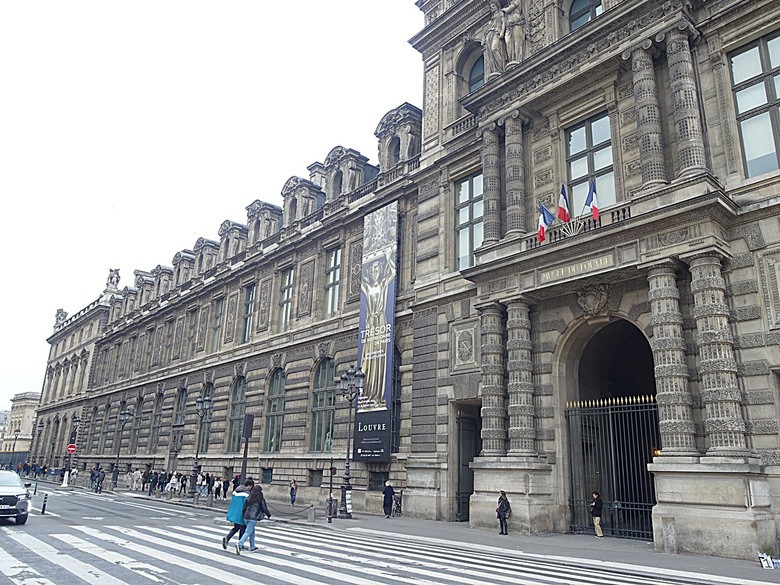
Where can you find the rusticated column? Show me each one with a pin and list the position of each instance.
(648, 116)
(675, 420)
(491, 183)
(520, 387)
(724, 424)
(493, 391)
(514, 173)
(685, 102)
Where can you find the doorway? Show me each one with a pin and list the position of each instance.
(469, 446)
(613, 433)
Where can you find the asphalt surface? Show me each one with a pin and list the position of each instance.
(623, 555)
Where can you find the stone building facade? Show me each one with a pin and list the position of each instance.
(633, 351)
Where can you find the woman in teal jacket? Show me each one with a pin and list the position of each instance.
(235, 512)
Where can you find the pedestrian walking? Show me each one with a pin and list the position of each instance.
(254, 509)
(503, 512)
(387, 502)
(235, 512)
(293, 491)
(596, 506)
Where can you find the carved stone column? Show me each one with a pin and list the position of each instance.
(724, 424)
(494, 414)
(521, 387)
(648, 117)
(674, 398)
(514, 172)
(687, 121)
(491, 183)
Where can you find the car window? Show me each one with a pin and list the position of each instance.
(10, 479)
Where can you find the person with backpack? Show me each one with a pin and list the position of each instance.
(254, 509)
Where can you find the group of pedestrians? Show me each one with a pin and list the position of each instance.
(504, 511)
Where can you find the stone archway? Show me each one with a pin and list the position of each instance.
(611, 423)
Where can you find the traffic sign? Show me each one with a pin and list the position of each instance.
(71, 449)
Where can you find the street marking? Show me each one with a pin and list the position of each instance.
(20, 573)
(87, 572)
(139, 568)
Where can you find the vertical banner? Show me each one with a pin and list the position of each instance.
(376, 334)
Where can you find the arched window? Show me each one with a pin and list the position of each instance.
(323, 406)
(154, 432)
(135, 432)
(274, 412)
(582, 12)
(118, 426)
(477, 74)
(205, 422)
(395, 405)
(237, 411)
(181, 407)
(394, 151)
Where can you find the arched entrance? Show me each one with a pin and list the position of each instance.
(612, 429)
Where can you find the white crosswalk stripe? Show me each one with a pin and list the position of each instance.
(296, 554)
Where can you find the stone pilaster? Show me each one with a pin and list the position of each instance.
(520, 387)
(648, 117)
(494, 415)
(491, 183)
(675, 417)
(724, 424)
(685, 101)
(514, 172)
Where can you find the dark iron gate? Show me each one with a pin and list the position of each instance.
(468, 448)
(611, 441)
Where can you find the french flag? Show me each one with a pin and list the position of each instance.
(591, 201)
(545, 219)
(563, 206)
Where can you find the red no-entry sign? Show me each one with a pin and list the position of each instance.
(71, 449)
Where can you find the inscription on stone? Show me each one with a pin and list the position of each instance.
(578, 268)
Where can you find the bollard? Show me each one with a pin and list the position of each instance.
(35, 491)
(312, 515)
(43, 507)
(210, 500)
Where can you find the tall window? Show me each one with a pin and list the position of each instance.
(192, 332)
(216, 324)
(589, 158)
(274, 412)
(583, 11)
(104, 430)
(168, 341)
(332, 280)
(118, 426)
(205, 423)
(154, 432)
(149, 350)
(395, 407)
(249, 303)
(285, 300)
(755, 73)
(132, 354)
(237, 411)
(94, 431)
(323, 406)
(468, 219)
(477, 74)
(135, 431)
(180, 415)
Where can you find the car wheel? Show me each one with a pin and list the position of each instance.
(22, 519)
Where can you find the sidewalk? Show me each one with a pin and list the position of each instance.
(631, 556)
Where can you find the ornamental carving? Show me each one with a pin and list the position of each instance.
(593, 300)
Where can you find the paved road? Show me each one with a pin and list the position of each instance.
(127, 538)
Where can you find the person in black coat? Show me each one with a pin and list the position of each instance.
(503, 512)
(595, 510)
(387, 502)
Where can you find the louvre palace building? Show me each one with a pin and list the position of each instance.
(633, 350)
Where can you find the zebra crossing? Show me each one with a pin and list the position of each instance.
(297, 554)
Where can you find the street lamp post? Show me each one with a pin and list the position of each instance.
(74, 429)
(124, 416)
(13, 450)
(202, 408)
(351, 385)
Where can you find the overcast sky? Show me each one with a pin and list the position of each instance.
(130, 129)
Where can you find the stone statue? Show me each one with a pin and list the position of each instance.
(515, 31)
(113, 278)
(60, 317)
(495, 45)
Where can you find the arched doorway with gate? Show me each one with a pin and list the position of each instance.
(611, 422)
